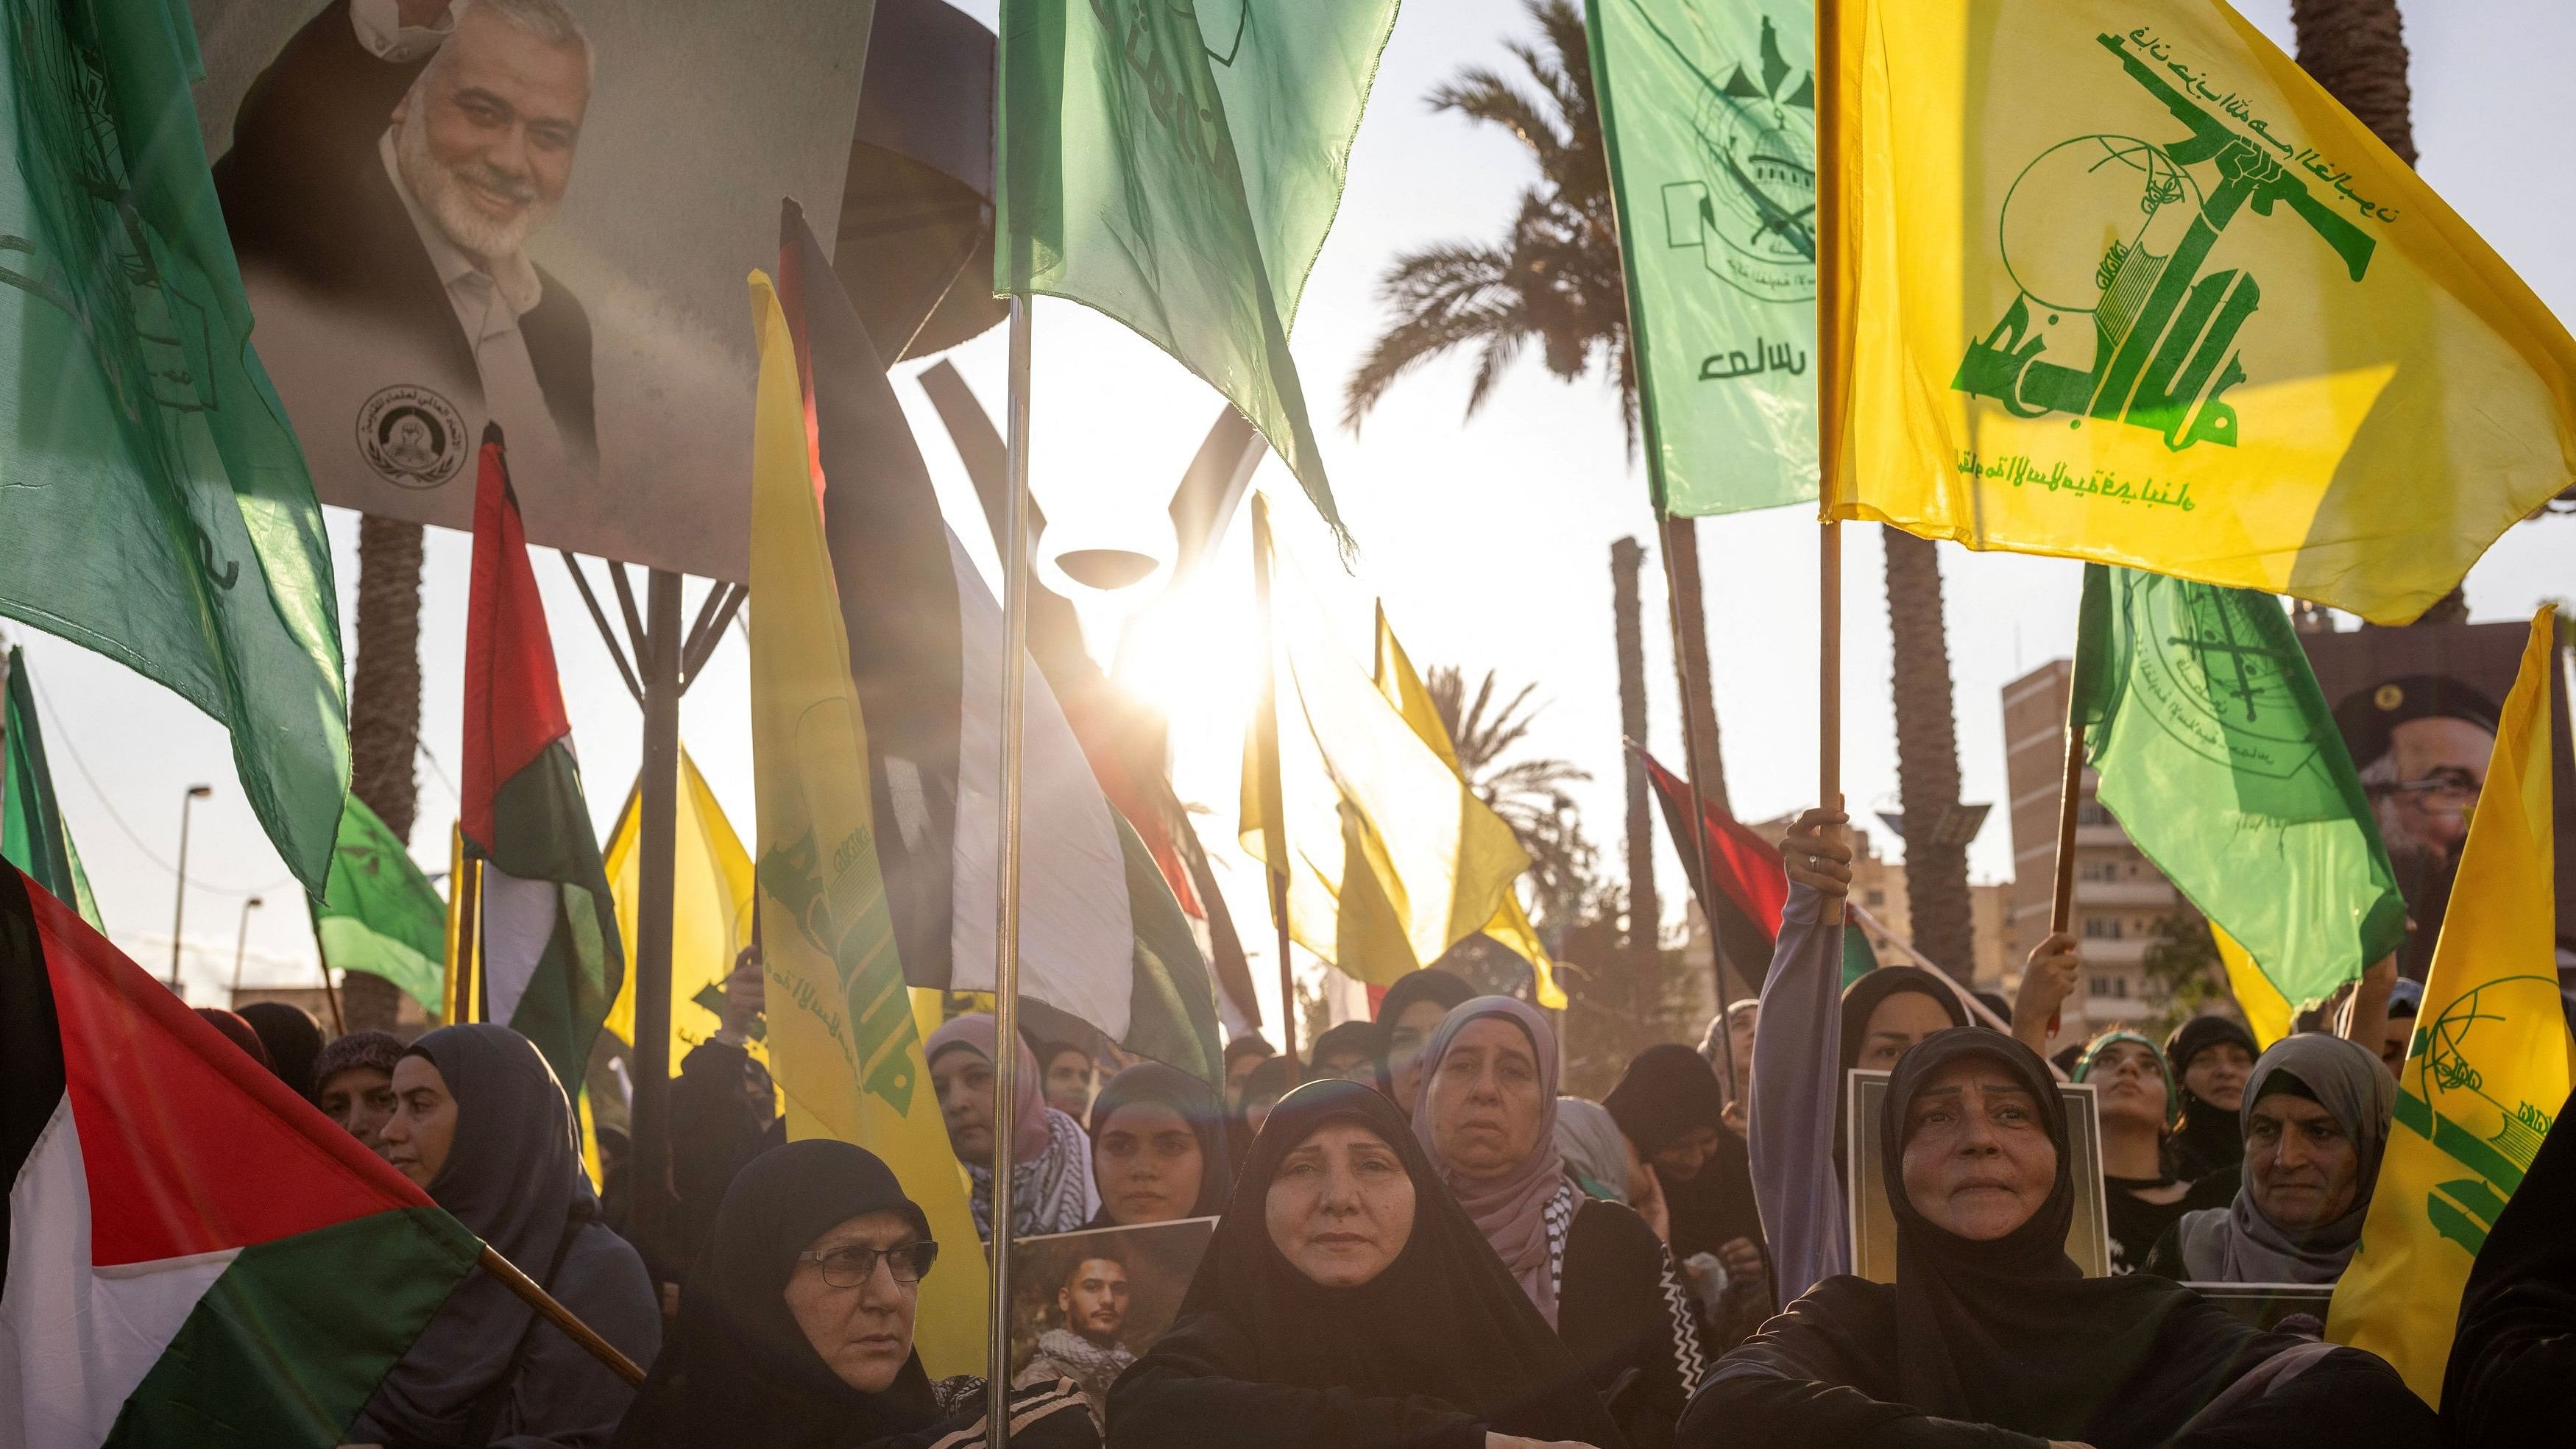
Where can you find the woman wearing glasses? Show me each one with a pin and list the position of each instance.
(795, 1328)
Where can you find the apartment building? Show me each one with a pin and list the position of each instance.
(2118, 895)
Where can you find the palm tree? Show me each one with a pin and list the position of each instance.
(1528, 793)
(1927, 756)
(1645, 912)
(1554, 280)
(384, 716)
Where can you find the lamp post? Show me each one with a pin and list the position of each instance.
(179, 908)
(241, 943)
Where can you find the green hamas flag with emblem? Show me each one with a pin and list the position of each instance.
(157, 506)
(33, 836)
(2219, 757)
(1176, 167)
(1708, 108)
(378, 913)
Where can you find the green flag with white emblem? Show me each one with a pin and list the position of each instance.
(2219, 757)
(153, 503)
(1708, 109)
(1176, 166)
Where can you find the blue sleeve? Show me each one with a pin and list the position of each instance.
(1791, 1106)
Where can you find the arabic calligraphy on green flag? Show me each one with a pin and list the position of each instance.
(1708, 108)
(1176, 168)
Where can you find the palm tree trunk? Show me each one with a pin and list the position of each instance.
(1645, 912)
(2356, 49)
(1690, 657)
(1927, 755)
(384, 715)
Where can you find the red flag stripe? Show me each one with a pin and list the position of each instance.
(513, 700)
(1745, 866)
(191, 1146)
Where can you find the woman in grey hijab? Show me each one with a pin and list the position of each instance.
(2315, 1120)
(482, 1124)
(1595, 1154)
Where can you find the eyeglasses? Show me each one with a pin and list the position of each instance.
(850, 1267)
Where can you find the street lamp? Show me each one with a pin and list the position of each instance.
(241, 942)
(179, 909)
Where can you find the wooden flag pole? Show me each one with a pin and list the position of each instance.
(1006, 935)
(1706, 887)
(2070, 791)
(1267, 723)
(1829, 398)
(561, 1317)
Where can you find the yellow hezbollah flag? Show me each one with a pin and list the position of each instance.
(842, 1039)
(2489, 1065)
(2267, 1011)
(2143, 293)
(710, 912)
(1390, 857)
(1510, 927)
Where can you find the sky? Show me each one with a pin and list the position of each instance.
(1487, 538)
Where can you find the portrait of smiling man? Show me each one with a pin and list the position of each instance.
(388, 170)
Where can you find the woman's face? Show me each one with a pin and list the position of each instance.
(1238, 1067)
(1978, 1161)
(1687, 1155)
(1340, 1208)
(2304, 1171)
(1348, 1065)
(1068, 1083)
(1405, 1038)
(2129, 1084)
(2217, 1075)
(1148, 1164)
(1484, 1101)
(964, 1080)
(1896, 1024)
(423, 1126)
(863, 1331)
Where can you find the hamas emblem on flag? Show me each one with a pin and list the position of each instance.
(2163, 334)
(1751, 213)
(2214, 684)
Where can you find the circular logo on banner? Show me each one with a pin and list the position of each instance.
(411, 436)
(2216, 683)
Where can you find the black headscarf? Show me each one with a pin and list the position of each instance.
(292, 1039)
(1365, 1039)
(513, 1176)
(2210, 1138)
(1445, 1321)
(1198, 1105)
(2507, 1380)
(1668, 1090)
(1860, 999)
(738, 1369)
(2128, 1360)
(1447, 988)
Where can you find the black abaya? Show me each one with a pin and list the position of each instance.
(2515, 1353)
(2003, 1342)
(1436, 1350)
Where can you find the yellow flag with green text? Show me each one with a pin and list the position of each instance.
(1510, 928)
(2115, 280)
(843, 1043)
(711, 895)
(2489, 1065)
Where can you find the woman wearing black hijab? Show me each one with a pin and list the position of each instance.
(1669, 1106)
(2515, 1352)
(480, 1122)
(1346, 1302)
(2212, 1058)
(817, 1248)
(1410, 1011)
(293, 1041)
(1991, 1337)
(1158, 1148)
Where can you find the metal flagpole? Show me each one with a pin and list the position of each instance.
(1006, 936)
(1267, 724)
(1707, 887)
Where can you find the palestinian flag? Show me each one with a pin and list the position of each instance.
(196, 1255)
(1747, 886)
(551, 959)
(1102, 938)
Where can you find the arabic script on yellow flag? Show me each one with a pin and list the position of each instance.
(2143, 293)
(2489, 1065)
(843, 1042)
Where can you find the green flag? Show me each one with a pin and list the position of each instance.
(1708, 109)
(33, 836)
(1182, 182)
(378, 913)
(2220, 759)
(153, 504)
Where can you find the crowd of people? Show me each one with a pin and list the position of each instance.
(1418, 1241)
